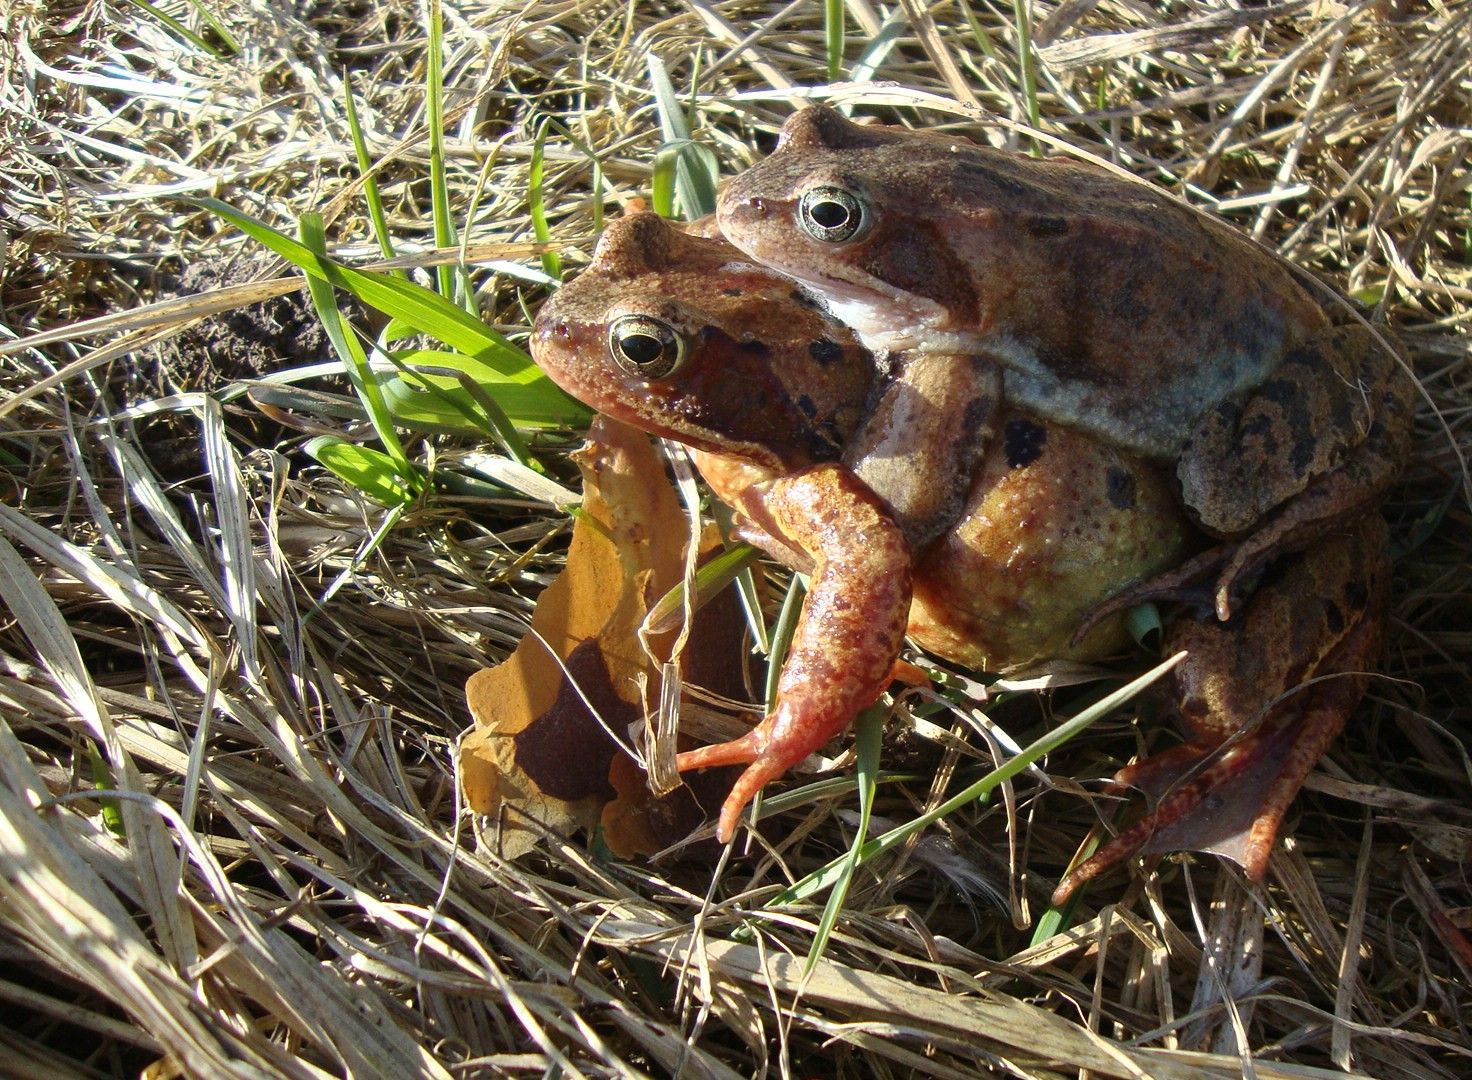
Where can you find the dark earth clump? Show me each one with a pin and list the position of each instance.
(247, 343)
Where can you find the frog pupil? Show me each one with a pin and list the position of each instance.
(641, 348)
(830, 215)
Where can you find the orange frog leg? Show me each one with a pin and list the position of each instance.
(850, 632)
(1261, 697)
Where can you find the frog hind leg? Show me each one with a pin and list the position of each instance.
(1318, 442)
(1263, 697)
(848, 637)
(1363, 481)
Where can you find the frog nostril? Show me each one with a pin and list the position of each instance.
(758, 204)
(562, 330)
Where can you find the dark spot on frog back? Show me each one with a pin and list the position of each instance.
(1023, 442)
(1120, 487)
(1333, 617)
(1046, 227)
(825, 352)
(975, 420)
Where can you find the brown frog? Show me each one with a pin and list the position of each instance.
(1108, 307)
(865, 471)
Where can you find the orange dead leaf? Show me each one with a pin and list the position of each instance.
(552, 730)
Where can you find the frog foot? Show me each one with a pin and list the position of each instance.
(849, 635)
(765, 760)
(1260, 699)
(1226, 801)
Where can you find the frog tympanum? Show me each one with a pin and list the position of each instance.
(806, 434)
(1171, 374)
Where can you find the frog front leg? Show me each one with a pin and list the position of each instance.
(851, 628)
(1261, 698)
(923, 441)
(1318, 442)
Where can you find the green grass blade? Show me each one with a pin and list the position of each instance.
(684, 181)
(412, 304)
(868, 730)
(102, 780)
(833, 12)
(229, 39)
(377, 218)
(831, 874)
(979, 32)
(1144, 625)
(351, 353)
(690, 192)
(662, 183)
(673, 124)
(713, 576)
(361, 556)
(782, 631)
(1026, 60)
(230, 48)
(434, 98)
(551, 261)
(433, 399)
(880, 46)
(502, 429)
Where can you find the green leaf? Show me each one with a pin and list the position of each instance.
(535, 405)
(684, 182)
(685, 173)
(370, 471)
(324, 300)
(411, 304)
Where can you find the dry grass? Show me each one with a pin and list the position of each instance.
(289, 887)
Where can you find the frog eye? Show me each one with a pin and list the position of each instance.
(646, 347)
(832, 214)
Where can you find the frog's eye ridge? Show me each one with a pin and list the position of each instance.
(833, 214)
(646, 346)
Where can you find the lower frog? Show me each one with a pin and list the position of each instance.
(831, 456)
